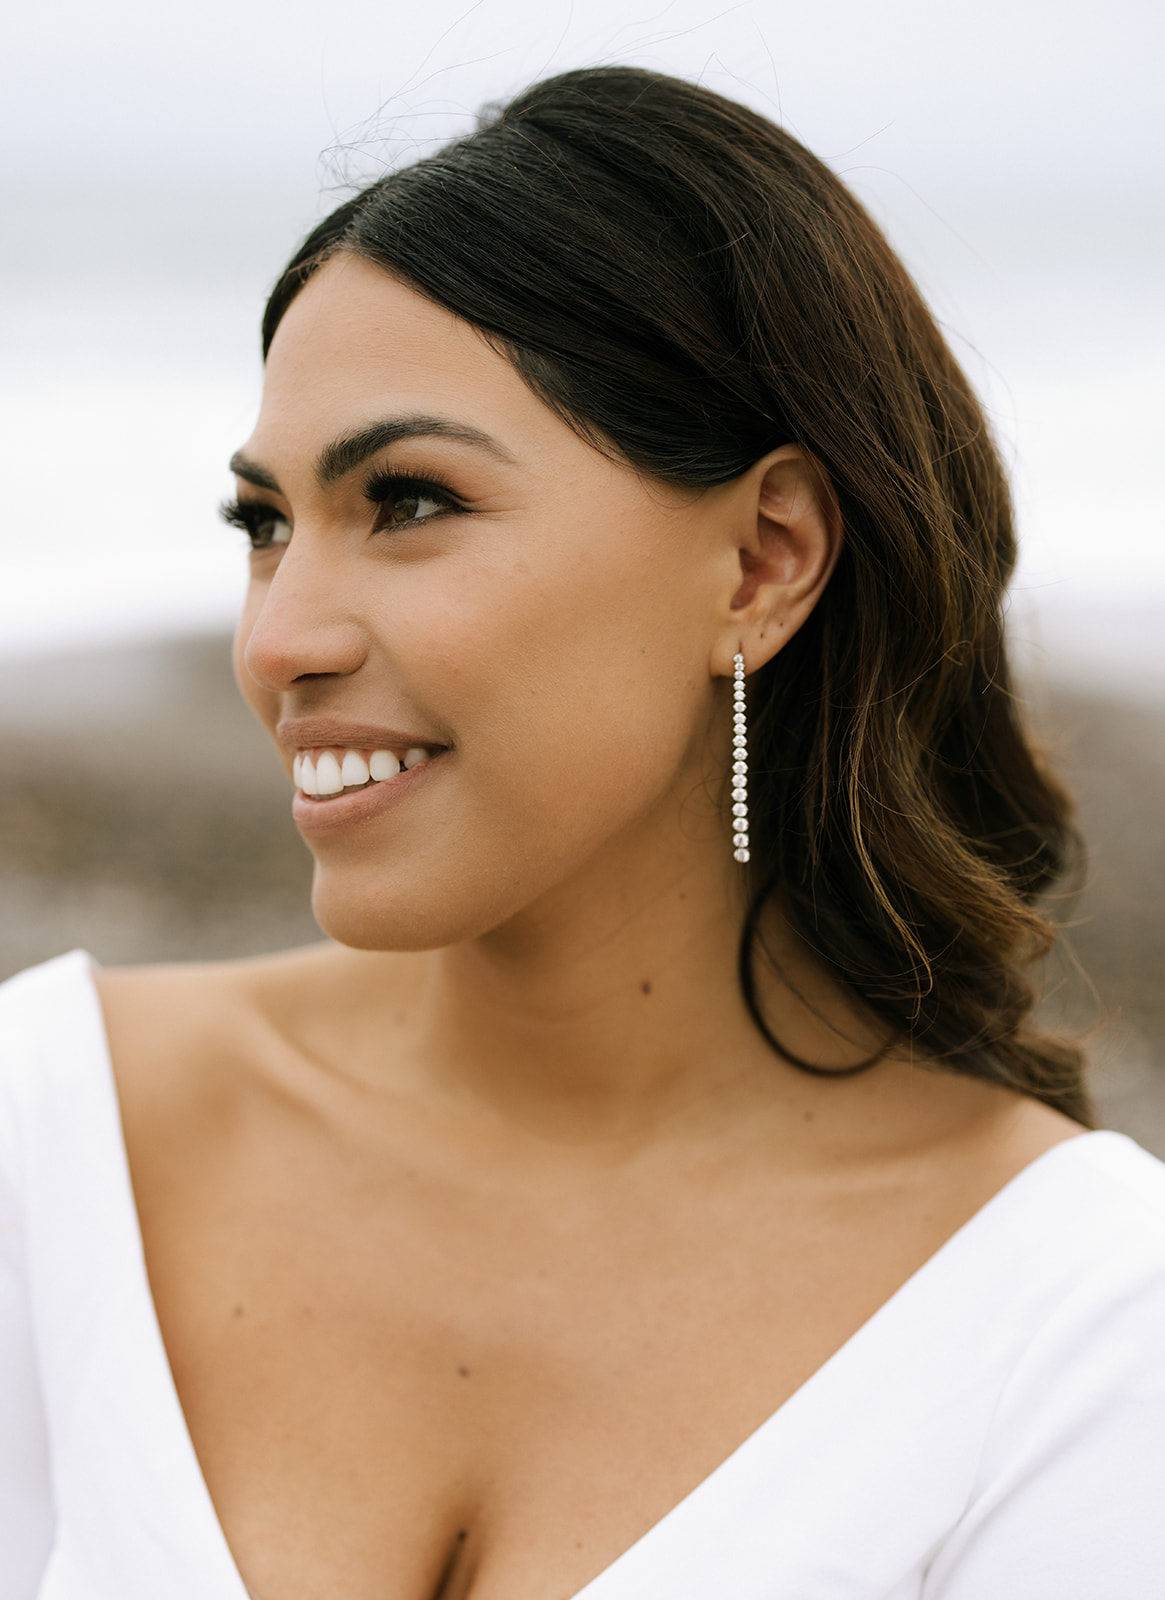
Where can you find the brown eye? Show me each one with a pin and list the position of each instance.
(402, 500)
(269, 530)
(264, 526)
(410, 505)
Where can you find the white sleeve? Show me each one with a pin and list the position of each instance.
(26, 1504)
(1070, 1499)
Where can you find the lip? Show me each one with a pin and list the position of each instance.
(316, 818)
(317, 733)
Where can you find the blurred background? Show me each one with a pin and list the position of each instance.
(158, 163)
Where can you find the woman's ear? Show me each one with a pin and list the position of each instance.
(787, 532)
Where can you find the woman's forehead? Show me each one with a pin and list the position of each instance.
(354, 317)
(356, 344)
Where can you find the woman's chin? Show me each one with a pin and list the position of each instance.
(387, 915)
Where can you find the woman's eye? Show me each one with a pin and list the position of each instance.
(402, 502)
(264, 526)
(269, 530)
(411, 508)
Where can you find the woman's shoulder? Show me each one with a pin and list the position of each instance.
(1122, 1174)
(1117, 1187)
(66, 994)
(189, 999)
(24, 996)
(226, 1027)
(1076, 1241)
(61, 1021)
(1108, 1206)
(49, 1017)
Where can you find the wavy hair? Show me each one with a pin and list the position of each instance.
(688, 288)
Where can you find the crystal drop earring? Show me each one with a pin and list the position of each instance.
(739, 763)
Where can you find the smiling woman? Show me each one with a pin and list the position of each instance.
(656, 1188)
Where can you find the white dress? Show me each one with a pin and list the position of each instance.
(995, 1432)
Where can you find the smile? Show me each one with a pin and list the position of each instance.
(322, 773)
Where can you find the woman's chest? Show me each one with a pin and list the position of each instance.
(412, 1389)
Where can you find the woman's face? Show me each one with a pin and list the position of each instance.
(443, 566)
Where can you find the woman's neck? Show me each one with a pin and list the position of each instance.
(601, 1014)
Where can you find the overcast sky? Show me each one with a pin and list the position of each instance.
(1037, 94)
(157, 162)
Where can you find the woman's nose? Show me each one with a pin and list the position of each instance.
(301, 624)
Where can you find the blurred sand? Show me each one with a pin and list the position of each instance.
(144, 818)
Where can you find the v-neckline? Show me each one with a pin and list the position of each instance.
(172, 1418)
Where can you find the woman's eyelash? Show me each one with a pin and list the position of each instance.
(397, 490)
(388, 485)
(252, 516)
(237, 515)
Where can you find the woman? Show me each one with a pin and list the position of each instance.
(658, 1187)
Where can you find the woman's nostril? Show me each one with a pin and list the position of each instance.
(283, 649)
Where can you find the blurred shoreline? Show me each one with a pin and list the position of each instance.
(145, 819)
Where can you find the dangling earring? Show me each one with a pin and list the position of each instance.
(739, 763)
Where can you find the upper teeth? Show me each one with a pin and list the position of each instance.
(329, 774)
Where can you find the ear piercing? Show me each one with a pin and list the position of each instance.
(739, 763)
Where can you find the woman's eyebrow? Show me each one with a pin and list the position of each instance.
(251, 472)
(349, 450)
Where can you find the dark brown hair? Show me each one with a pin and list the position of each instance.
(688, 287)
